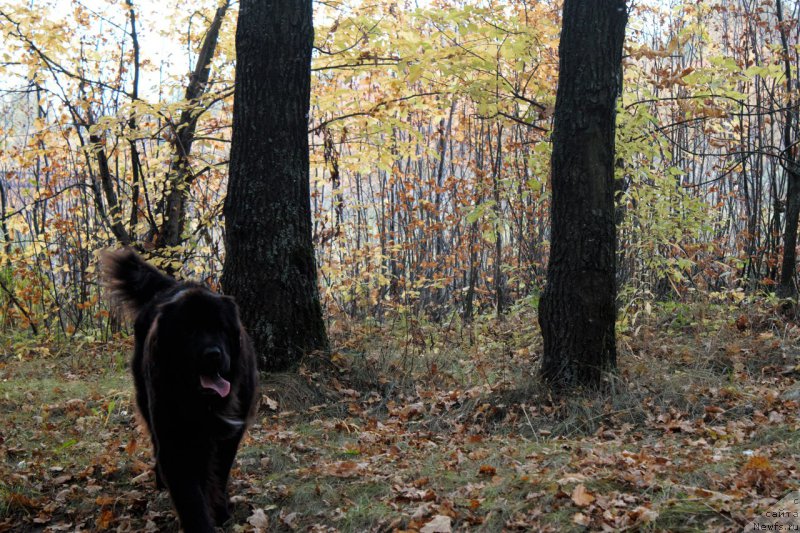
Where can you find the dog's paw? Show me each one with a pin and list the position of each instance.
(222, 513)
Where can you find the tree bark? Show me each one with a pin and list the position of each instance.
(498, 234)
(788, 287)
(269, 263)
(577, 309)
(136, 163)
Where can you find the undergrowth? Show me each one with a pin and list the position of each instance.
(408, 423)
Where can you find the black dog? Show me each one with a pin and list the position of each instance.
(196, 380)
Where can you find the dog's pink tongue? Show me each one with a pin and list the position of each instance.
(216, 383)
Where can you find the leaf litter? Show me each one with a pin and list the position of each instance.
(700, 432)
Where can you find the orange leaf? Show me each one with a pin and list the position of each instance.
(758, 462)
(104, 500)
(105, 519)
(130, 448)
(487, 470)
(344, 469)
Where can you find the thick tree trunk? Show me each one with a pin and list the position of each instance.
(269, 262)
(577, 310)
(788, 287)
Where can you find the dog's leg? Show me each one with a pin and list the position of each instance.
(160, 485)
(184, 462)
(218, 492)
(143, 404)
(185, 471)
(144, 410)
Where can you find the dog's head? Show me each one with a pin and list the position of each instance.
(199, 336)
(192, 337)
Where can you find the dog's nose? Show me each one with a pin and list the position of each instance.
(213, 354)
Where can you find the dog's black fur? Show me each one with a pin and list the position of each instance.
(196, 380)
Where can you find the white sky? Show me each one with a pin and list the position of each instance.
(160, 43)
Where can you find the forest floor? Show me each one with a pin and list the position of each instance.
(432, 429)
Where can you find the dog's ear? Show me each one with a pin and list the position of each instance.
(232, 319)
(131, 280)
(230, 306)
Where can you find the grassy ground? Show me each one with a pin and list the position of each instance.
(428, 428)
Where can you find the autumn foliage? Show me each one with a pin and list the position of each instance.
(430, 153)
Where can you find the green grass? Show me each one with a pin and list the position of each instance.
(352, 461)
(686, 515)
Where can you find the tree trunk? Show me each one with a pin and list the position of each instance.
(269, 263)
(498, 235)
(180, 175)
(788, 287)
(577, 310)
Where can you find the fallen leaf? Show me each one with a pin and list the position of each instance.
(487, 470)
(644, 514)
(581, 519)
(571, 478)
(414, 494)
(422, 511)
(60, 480)
(269, 402)
(289, 520)
(259, 520)
(105, 519)
(104, 501)
(438, 524)
(344, 469)
(130, 448)
(581, 496)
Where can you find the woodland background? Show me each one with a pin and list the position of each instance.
(430, 153)
(430, 160)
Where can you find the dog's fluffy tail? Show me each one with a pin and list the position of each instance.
(131, 280)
